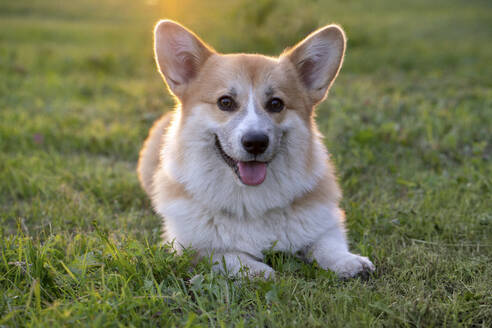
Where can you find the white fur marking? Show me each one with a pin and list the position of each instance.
(250, 121)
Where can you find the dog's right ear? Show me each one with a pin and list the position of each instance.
(318, 59)
(179, 54)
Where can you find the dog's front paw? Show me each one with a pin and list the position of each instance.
(258, 270)
(351, 265)
(241, 265)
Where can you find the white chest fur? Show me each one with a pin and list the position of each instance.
(187, 223)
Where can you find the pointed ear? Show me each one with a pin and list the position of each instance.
(318, 59)
(179, 54)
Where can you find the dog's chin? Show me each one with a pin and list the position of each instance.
(250, 173)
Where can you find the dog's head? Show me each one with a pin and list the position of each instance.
(247, 106)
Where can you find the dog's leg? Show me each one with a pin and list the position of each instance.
(332, 253)
(238, 264)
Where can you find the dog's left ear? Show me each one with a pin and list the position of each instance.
(318, 59)
(179, 54)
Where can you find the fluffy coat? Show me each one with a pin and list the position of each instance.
(189, 163)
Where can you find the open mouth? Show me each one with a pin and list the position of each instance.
(251, 173)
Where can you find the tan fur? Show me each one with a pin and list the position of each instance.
(261, 72)
(177, 71)
(326, 191)
(149, 155)
(171, 189)
(299, 55)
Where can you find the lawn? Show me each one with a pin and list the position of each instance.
(408, 123)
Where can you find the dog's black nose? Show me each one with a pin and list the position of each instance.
(255, 143)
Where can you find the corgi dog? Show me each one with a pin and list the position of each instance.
(239, 166)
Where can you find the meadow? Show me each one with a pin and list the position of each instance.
(408, 123)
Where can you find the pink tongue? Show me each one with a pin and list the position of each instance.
(252, 173)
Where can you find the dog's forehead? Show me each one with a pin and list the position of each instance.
(240, 75)
(241, 71)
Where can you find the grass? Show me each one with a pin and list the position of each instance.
(408, 123)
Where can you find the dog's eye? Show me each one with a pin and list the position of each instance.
(275, 105)
(226, 103)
